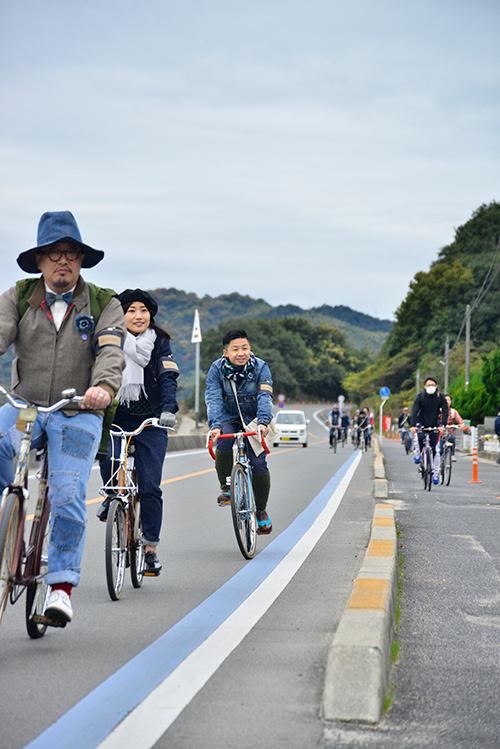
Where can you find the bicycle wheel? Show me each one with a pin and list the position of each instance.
(243, 511)
(116, 549)
(334, 443)
(447, 466)
(441, 466)
(9, 527)
(407, 443)
(38, 591)
(136, 548)
(428, 467)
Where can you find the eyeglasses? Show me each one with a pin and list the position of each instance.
(56, 255)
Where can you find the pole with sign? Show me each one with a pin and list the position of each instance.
(385, 393)
(196, 339)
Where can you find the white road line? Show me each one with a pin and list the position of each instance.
(144, 726)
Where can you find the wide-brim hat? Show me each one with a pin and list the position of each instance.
(138, 295)
(58, 226)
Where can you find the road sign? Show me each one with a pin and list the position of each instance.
(196, 334)
(281, 398)
(385, 392)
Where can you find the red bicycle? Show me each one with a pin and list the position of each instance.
(242, 496)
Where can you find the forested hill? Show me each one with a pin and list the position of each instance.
(176, 312)
(465, 272)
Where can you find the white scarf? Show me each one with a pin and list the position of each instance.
(137, 350)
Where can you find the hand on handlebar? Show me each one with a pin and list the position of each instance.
(167, 419)
(95, 399)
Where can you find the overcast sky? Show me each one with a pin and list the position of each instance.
(304, 151)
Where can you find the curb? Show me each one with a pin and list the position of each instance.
(359, 659)
(185, 442)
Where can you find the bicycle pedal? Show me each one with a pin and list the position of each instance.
(39, 619)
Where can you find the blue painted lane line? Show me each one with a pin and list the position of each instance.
(92, 719)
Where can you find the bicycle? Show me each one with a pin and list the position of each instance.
(425, 466)
(407, 443)
(242, 497)
(336, 437)
(446, 459)
(124, 546)
(361, 441)
(23, 565)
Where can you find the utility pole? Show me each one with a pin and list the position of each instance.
(467, 345)
(445, 362)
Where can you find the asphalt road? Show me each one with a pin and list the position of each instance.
(446, 680)
(266, 691)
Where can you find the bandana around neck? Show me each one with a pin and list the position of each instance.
(239, 374)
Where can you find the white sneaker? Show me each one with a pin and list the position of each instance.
(453, 460)
(59, 607)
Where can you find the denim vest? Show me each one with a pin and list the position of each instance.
(255, 396)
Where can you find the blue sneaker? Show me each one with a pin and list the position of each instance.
(435, 478)
(416, 459)
(224, 497)
(264, 525)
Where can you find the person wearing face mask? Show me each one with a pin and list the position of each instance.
(429, 409)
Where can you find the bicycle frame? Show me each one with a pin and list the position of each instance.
(241, 491)
(124, 544)
(24, 568)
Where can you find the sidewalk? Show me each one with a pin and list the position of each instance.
(446, 678)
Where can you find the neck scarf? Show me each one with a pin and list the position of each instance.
(137, 350)
(239, 374)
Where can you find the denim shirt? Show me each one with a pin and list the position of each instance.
(255, 396)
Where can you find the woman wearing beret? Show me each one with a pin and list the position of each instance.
(149, 389)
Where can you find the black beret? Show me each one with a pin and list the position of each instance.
(138, 295)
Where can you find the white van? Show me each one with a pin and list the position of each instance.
(291, 427)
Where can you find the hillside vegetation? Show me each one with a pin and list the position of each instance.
(464, 272)
(359, 332)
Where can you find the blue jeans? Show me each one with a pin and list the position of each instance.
(150, 449)
(72, 444)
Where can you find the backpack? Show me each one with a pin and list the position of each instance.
(99, 297)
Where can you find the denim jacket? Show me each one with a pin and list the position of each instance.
(255, 396)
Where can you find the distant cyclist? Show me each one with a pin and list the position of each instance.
(430, 409)
(334, 420)
(453, 416)
(404, 425)
(252, 380)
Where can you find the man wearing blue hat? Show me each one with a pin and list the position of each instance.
(65, 333)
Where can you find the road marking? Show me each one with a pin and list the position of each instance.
(136, 705)
(369, 593)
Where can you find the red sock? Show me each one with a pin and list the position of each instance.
(67, 587)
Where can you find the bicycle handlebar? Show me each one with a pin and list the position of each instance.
(69, 396)
(234, 435)
(150, 422)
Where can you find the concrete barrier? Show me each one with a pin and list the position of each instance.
(186, 442)
(359, 659)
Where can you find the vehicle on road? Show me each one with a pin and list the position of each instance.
(291, 427)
